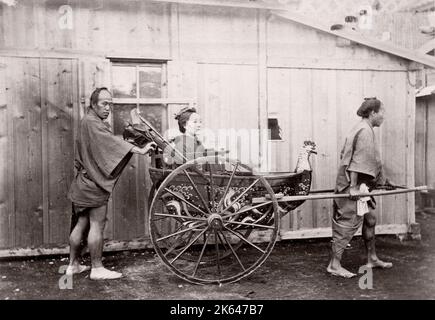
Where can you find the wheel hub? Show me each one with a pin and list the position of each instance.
(215, 221)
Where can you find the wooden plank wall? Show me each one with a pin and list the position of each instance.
(424, 143)
(421, 111)
(222, 35)
(59, 99)
(224, 94)
(430, 175)
(23, 79)
(4, 145)
(224, 45)
(41, 96)
(138, 28)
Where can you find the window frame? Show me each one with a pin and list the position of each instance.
(164, 101)
(275, 116)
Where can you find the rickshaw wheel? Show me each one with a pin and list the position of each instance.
(204, 226)
(236, 246)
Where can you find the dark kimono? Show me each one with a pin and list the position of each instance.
(359, 154)
(99, 160)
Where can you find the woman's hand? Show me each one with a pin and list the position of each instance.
(149, 147)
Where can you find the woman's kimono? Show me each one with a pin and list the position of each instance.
(188, 146)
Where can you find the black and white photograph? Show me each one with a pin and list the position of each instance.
(217, 155)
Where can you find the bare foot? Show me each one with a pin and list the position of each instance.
(379, 264)
(340, 272)
(77, 268)
(102, 273)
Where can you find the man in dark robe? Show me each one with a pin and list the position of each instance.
(99, 160)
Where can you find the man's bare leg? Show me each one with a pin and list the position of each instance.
(97, 220)
(75, 239)
(335, 267)
(368, 233)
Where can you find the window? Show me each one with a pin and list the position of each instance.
(142, 85)
(274, 128)
(138, 81)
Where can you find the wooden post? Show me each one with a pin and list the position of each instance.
(410, 144)
(45, 160)
(262, 85)
(10, 160)
(4, 207)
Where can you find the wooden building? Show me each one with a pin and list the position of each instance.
(242, 62)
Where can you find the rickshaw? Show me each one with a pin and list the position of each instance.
(213, 220)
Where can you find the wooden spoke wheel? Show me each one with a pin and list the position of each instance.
(204, 226)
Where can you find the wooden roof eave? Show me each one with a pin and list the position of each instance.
(425, 92)
(229, 3)
(358, 38)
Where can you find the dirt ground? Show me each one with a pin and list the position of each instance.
(294, 270)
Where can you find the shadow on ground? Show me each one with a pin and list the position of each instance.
(294, 270)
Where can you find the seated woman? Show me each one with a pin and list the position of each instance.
(187, 144)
